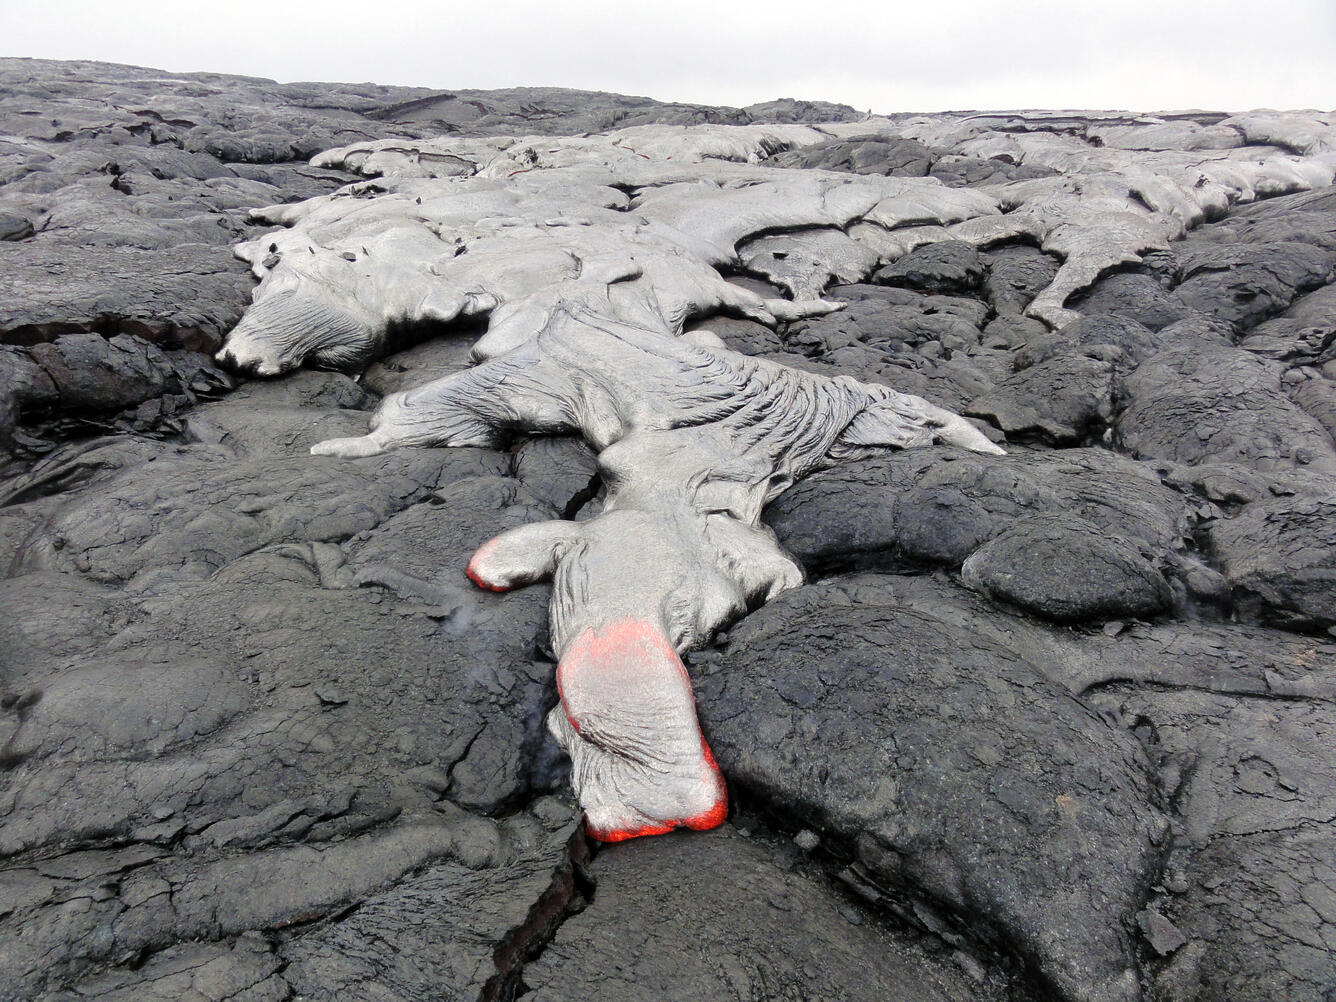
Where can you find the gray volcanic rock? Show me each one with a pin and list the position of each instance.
(926, 344)
(187, 516)
(861, 155)
(900, 156)
(745, 336)
(1016, 274)
(937, 508)
(964, 171)
(1248, 283)
(560, 471)
(947, 267)
(1198, 404)
(417, 365)
(15, 227)
(454, 930)
(1230, 659)
(528, 110)
(79, 463)
(1065, 568)
(89, 374)
(255, 120)
(747, 926)
(1250, 882)
(989, 791)
(1230, 955)
(1305, 334)
(266, 795)
(1064, 399)
(1308, 217)
(1243, 269)
(460, 884)
(1280, 558)
(281, 419)
(1317, 397)
(1235, 719)
(311, 699)
(186, 295)
(1133, 340)
(1136, 297)
(787, 109)
(262, 739)
(51, 618)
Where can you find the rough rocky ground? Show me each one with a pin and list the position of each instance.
(1051, 725)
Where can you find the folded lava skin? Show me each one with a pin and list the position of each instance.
(693, 439)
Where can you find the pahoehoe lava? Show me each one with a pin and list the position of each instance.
(1054, 724)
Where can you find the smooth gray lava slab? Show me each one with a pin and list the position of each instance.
(954, 769)
(718, 916)
(424, 910)
(1280, 557)
(1249, 892)
(1088, 573)
(1201, 404)
(936, 507)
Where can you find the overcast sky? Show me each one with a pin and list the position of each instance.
(883, 56)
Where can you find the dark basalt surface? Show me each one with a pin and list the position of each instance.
(723, 915)
(904, 157)
(954, 768)
(1054, 725)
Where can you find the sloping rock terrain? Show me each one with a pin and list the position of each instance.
(1050, 725)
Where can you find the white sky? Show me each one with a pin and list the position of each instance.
(880, 55)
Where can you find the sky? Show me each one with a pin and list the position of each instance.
(882, 56)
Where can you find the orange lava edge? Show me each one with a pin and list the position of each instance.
(713, 816)
(471, 571)
(703, 821)
(478, 580)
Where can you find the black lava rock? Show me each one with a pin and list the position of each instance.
(948, 267)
